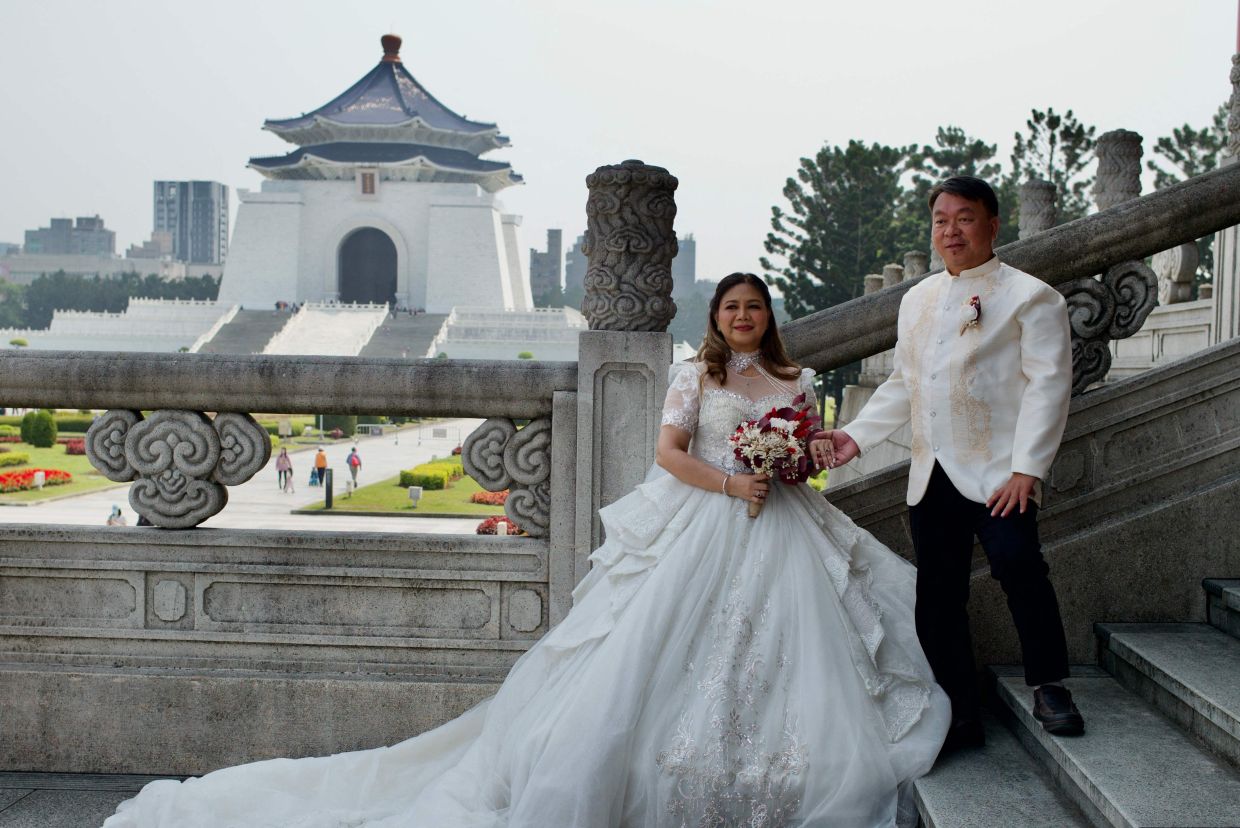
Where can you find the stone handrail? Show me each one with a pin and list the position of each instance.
(1135, 229)
(327, 385)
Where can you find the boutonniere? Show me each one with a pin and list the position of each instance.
(970, 314)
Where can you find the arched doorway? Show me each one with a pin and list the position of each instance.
(367, 267)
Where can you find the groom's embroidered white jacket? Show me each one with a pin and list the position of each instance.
(984, 400)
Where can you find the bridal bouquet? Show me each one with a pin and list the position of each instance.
(777, 444)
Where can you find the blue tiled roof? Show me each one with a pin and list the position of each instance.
(388, 94)
(384, 153)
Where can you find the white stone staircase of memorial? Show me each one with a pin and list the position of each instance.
(160, 325)
(328, 329)
(499, 333)
(1161, 747)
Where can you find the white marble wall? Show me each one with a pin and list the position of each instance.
(453, 243)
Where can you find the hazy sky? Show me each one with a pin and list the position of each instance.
(99, 99)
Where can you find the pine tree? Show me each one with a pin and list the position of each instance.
(1059, 149)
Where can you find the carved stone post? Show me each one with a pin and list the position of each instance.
(1116, 306)
(893, 274)
(623, 360)
(1037, 207)
(1119, 168)
(916, 264)
(1226, 288)
(1175, 269)
(630, 245)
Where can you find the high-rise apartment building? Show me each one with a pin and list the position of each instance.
(684, 266)
(195, 214)
(575, 263)
(545, 268)
(64, 237)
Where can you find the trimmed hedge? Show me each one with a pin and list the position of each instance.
(9, 431)
(433, 476)
(347, 423)
(75, 423)
(42, 429)
(14, 458)
(298, 424)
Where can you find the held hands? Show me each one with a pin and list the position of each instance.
(833, 449)
(1018, 490)
(751, 487)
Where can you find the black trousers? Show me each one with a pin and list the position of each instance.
(943, 525)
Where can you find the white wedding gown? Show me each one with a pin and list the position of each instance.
(715, 670)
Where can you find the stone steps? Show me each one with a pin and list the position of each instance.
(1223, 603)
(404, 336)
(1190, 672)
(1133, 768)
(247, 333)
(998, 785)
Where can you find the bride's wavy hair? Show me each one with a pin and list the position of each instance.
(715, 351)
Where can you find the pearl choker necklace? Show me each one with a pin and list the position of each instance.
(738, 362)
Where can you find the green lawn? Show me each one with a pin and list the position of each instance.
(85, 478)
(386, 496)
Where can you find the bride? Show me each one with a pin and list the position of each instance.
(715, 670)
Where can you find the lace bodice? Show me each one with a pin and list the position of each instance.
(695, 403)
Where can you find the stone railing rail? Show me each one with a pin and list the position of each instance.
(327, 385)
(1134, 229)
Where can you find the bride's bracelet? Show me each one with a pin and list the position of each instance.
(726, 478)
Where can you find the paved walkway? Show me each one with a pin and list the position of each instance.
(63, 800)
(259, 503)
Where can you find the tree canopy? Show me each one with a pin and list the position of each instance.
(32, 306)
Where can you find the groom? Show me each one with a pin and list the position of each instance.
(983, 371)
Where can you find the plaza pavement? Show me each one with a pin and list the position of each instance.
(259, 504)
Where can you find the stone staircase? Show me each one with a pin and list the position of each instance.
(247, 333)
(405, 337)
(1162, 741)
(328, 329)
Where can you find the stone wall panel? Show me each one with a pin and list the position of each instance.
(349, 606)
(34, 597)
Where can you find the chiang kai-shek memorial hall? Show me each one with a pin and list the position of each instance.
(385, 199)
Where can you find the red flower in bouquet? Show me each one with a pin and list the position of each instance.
(777, 444)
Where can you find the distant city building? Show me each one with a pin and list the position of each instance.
(9, 249)
(159, 246)
(68, 237)
(575, 266)
(195, 214)
(545, 267)
(684, 266)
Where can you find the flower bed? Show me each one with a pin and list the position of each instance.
(19, 481)
(490, 498)
(487, 527)
(73, 445)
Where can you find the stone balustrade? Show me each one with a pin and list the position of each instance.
(255, 644)
(1131, 230)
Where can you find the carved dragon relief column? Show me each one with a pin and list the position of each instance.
(1115, 306)
(622, 364)
(182, 460)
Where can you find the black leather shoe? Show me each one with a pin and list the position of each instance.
(963, 733)
(1053, 707)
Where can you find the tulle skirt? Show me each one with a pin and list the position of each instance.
(716, 670)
